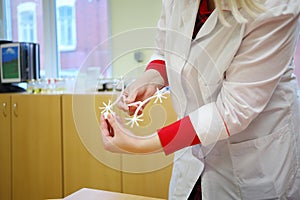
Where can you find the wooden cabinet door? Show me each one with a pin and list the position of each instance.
(5, 147)
(36, 147)
(86, 163)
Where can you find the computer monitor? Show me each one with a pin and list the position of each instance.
(11, 63)
(19, 62)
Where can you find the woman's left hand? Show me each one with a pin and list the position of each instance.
(116, 138)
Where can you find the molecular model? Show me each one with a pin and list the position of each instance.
(135, 118)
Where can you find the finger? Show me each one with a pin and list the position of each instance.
(123, 106)
(110, 129)
(132, 109)
(106, 136)
(131, 96)
(104, 127)
(112, 121)
(116, 123)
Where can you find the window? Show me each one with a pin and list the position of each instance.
(27, 22)
(66, 36)
(66, 25)
(81, 26)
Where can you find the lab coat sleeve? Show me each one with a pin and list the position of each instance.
(178, 135)
(263, 57)
(160, 66)
(157, 60)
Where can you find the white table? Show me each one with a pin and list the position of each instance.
(93, 194)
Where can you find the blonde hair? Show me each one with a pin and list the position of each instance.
(251, 7)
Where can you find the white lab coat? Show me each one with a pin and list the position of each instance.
(237, 85)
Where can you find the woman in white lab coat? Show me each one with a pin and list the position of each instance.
(235, 94)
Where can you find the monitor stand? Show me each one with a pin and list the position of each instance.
(10, 88)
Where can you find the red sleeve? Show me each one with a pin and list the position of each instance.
(178, 135)
(160, 66)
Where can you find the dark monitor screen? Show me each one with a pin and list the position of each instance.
(10, 65)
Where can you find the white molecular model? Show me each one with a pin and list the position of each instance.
(135, 118)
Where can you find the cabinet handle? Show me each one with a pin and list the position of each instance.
(15, 109)
(4, 109)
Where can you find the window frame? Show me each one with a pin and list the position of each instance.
(69, 4)
(50, 40)
(5, 20)
(31, 8)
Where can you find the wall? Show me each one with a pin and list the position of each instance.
(133, 25)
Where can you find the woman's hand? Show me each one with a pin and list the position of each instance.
(141, 89)
(116, 138)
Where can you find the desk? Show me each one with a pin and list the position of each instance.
(92, 194)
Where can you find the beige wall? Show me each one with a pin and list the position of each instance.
(133, 25)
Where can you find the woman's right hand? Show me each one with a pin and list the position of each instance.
(142, 88)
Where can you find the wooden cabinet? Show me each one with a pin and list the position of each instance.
(36, 147)
(84, 157)
(5, 147)
(50, 147)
